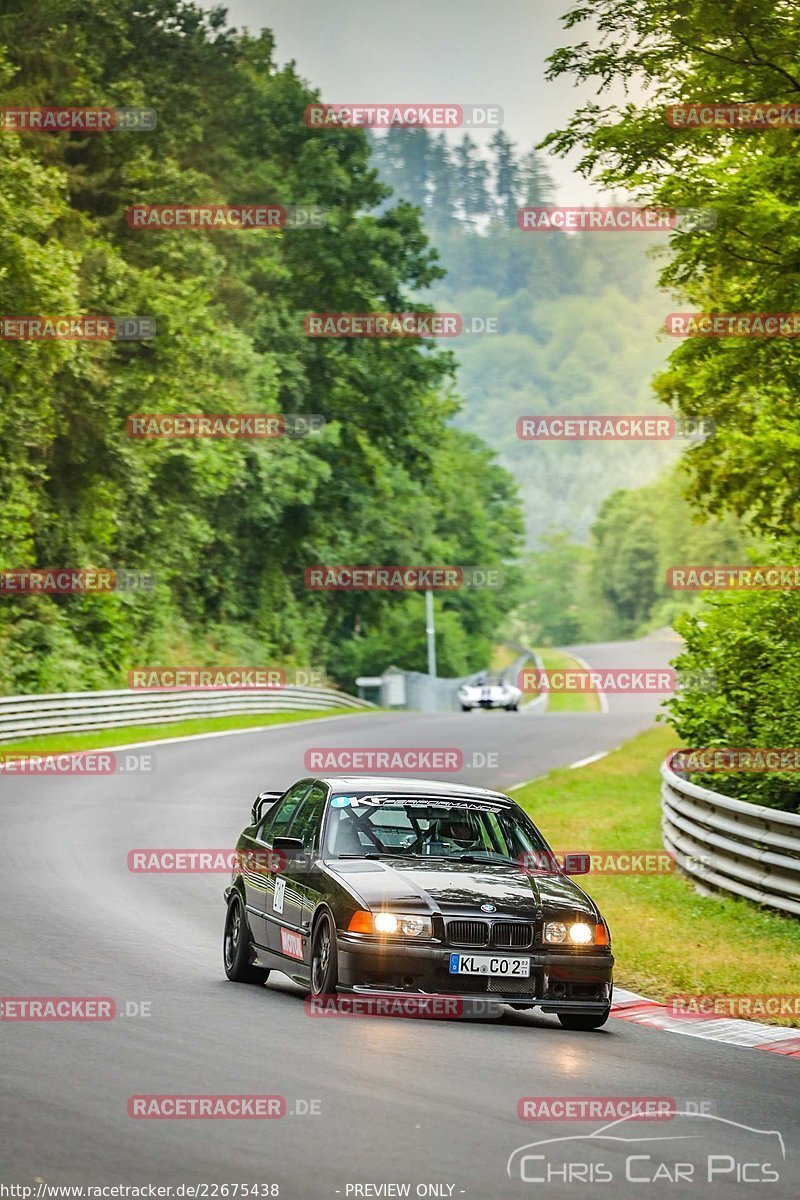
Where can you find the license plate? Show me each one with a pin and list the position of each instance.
(489, 964)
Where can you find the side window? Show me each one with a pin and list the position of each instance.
(276, 822)
(307, 821)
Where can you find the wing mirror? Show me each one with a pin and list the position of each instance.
(577, 864)
(290, 846)
(263, 801)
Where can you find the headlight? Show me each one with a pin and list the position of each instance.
(395, 924)
(580, 934)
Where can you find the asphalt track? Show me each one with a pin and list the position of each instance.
(430, 1104)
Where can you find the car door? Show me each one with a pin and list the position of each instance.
(260, 874)
(295, 887)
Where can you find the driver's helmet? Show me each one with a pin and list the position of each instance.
(460, 830)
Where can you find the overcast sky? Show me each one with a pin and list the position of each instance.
(460, 51)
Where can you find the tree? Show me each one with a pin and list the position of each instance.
(472, 176)
(506, 178)
(701, 52)
(227, 527)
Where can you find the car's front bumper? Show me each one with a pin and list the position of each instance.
(558, 981)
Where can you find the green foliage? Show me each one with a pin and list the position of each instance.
(616, 587)
(750, 642)
(705, 52)
(700, 52)
(228, 527)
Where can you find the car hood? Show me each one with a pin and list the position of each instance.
(454, 887)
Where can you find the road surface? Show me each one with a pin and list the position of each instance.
(429, 1104)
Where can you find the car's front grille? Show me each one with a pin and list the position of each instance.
(505, 935)
(512, 935)
(468, 933)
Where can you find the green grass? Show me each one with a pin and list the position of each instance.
(502, 658)
(122, 735)
(666, 937)
(561, 702)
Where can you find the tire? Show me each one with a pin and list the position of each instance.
(583, 1021)
(236, 946)
(512, 708)
(324, 965)
(465, 708)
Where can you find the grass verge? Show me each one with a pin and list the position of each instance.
(122, 735)
(666, 937)
(561, 702)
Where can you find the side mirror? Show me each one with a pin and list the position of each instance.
(291, 847)
(263, 801)
(577, 864)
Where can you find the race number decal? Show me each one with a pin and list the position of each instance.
(277, 899)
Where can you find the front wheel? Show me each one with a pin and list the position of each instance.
(236, 946)
(324, 966)
(465, 708)
(583, 1020)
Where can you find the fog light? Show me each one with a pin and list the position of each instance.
(555, 931)
(580, 934)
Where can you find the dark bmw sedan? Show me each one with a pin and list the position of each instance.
(384, 885)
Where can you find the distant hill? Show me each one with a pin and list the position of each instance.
(578, 316)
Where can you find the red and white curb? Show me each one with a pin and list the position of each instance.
(629, 1006)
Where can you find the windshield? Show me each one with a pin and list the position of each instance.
(371, 826)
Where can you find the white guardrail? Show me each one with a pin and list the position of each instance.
(741, 848)
(73, 712)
